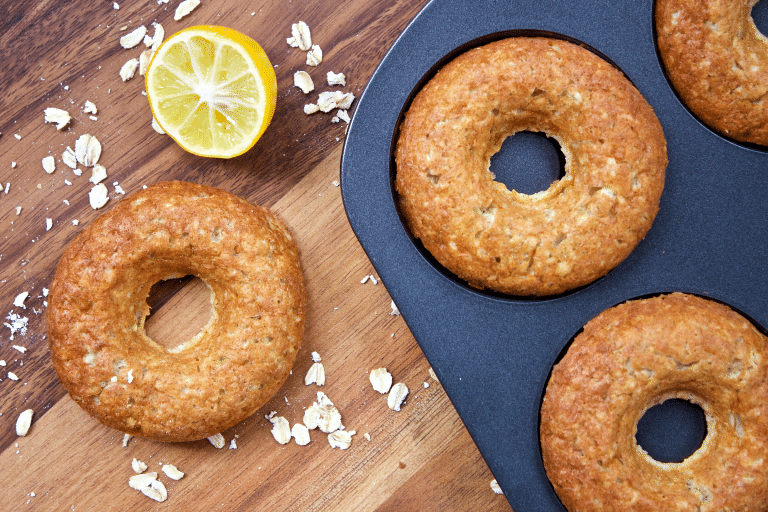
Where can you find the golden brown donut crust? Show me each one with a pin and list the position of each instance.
(717, 62)
(97, 309)
(638, 354)
(546, 243)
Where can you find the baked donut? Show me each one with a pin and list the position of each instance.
(97, 307)
(717, 61)
(636, 355)
(545, 243)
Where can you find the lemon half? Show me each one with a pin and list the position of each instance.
(212, 89)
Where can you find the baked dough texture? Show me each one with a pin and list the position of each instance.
(540, 244)
(717, 62)
(634, 356)
(239, 360)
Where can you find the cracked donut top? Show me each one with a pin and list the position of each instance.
(552, 241)
(97, 309)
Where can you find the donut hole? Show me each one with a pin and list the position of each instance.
(672, 430)
(760, 16)
(179, 310)
(528, 162)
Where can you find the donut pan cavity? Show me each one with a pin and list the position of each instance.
(493, 353)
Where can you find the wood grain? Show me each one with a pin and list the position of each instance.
(60, 54)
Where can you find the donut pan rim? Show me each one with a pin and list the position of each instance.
(493, 354)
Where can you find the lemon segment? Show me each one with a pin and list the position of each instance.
(212, 89)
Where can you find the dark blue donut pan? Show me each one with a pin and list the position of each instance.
(493, 353)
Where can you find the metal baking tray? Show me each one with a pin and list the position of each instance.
(493, 353)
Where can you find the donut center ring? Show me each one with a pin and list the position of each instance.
(672, 430)
(528, 162)
(760, 16)
(179, 310)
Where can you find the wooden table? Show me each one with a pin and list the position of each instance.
(60, 54)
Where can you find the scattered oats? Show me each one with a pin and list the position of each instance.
(172, 472)
(322, 414)
(381, 380)
(68, 157)
(19, 300)
(311, 108)
(156, 127)
(144, 59)
(495, 487)
(336, 78)
(20, 348)
(149, 485)
(157, 38)
(303, 81)
(129, 377)
(367, 436)
(156, 491)
(12, 376)
(18, 210)
(49, 164)
(57, 116)
(301, 37)
(138, 466)
(129, 69)
(281, 430)
(18, 137)
(316, 357)
(87, 150)
(397, 396)
(395, 311)
(126, 438)
(433, 374)
(98, 196)
(217, 440)
(90, 108)
(17, 323)
(48, 224)
(184, 8)
(233, 444)
(314, 56)
(300, 434)
(133, 38)
(23, 422)
(315, 375)
(75, 222)
(342, 115)
(98, 174)
(118, 188)
(341, 439)
(329, 100)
